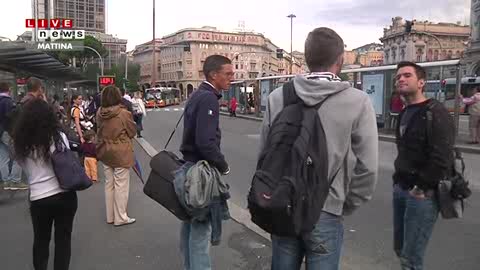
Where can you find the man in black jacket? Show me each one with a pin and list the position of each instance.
(425, 156)
(10, 171)
(201, 141)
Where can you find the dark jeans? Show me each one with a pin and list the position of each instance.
(413, 222)
(138, 118)
(60, 210)
(321, 247)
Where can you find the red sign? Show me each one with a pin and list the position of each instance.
(52, 23)
(106, 80)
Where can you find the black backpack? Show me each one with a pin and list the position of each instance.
(291, 182)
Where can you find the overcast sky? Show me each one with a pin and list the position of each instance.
(358, 21)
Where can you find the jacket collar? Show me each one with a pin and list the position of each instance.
(209, 87)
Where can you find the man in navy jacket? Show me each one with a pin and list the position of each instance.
(201, 141)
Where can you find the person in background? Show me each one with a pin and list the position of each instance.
(126, 101)
(233, 107)
(35, 89)
(139, 112)
(473, 103)
(11, 173)
(89, 151)
(115, 130)
(76, 114)
(34, 138)
(396, 105)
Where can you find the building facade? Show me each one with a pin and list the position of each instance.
(88, 15)
(183, 54)
(473, 52)
(421, 45)
(116, 48)
(143, 55)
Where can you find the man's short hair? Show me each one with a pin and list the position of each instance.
(214, 63)
(322, 48)
(419, 71)
(4, 87)
(33, 84)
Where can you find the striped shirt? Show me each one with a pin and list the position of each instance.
(328, 76)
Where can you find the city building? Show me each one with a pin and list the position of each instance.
(115, 47)
(421, 44)
(88, 15)
(473, 52)
(142, 55)
(349, 58)
(182, 55)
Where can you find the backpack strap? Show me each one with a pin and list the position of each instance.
(289, 94)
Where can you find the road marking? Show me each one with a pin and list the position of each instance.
(237, 213)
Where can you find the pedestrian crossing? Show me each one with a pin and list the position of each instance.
(165, 110)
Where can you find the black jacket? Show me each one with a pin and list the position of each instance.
(201, 134)
(424, 161)
(6, 106)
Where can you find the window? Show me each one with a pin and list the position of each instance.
(253, 66)
(236, 66)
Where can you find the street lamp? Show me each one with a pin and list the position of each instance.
(126, 69)
(291, 16)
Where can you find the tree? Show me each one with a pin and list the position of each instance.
(119, 72)
(81, 57)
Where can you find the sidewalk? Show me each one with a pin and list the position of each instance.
(150, 243)
(389, 136)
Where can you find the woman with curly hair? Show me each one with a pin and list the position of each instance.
(34, 138)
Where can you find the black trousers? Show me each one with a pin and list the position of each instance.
(58, 210)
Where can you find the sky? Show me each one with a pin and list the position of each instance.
(358, 22)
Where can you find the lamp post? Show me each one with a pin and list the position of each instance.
(291, 16)
(154, 60)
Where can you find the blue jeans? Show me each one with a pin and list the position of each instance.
(9, 169)
(195, 245)
(321, 247)
(413, 222)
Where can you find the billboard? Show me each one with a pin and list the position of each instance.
(373, 85)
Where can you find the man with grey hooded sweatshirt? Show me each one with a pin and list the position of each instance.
(349, 122)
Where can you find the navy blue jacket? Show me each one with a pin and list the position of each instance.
(201, 134)
(6, 105)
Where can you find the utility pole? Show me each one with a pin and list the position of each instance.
(291, 16)
(154, 60)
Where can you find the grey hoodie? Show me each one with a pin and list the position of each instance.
(349, 121)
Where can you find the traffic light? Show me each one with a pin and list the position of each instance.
(408, 26)
(279, 53)
(106, 80)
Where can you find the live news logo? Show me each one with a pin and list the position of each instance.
(59, 29)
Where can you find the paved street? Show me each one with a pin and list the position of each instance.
(150, 243)
(368, 233)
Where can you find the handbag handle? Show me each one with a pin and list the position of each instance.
(173, 132)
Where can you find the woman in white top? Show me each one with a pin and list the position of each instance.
(139, 112)
(35, 133)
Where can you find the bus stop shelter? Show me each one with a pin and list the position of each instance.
(18, 57)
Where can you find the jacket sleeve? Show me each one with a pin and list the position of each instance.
(440, 149)
(130, 125)
(207, 123)
(365, 150)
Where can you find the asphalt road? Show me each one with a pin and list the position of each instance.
(368, 233)
(150, 243)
